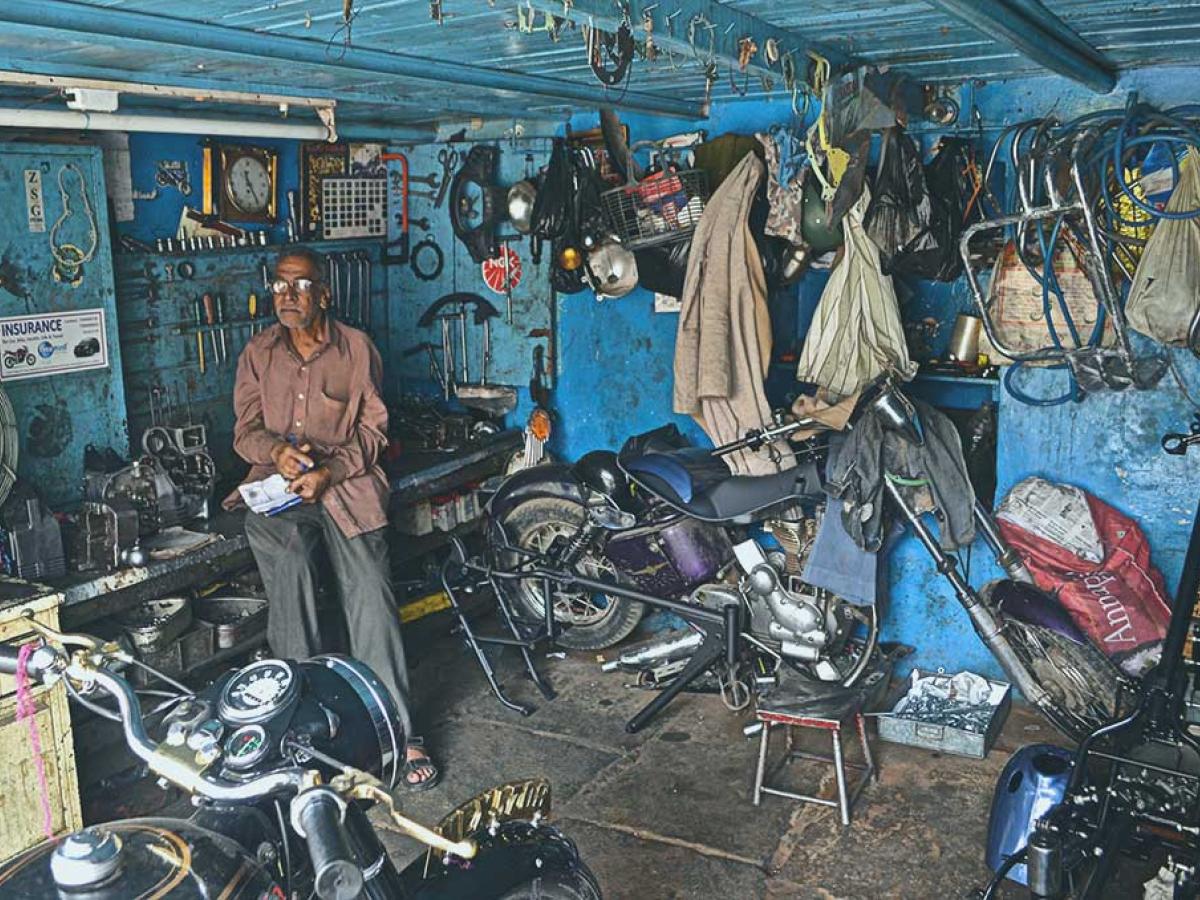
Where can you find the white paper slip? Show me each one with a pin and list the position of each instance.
(268, 496)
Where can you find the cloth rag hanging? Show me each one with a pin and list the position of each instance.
(856, 333)
(723, 341)
(932, 477)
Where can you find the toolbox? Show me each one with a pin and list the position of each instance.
(898, 728)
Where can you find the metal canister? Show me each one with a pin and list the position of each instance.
(964, 340)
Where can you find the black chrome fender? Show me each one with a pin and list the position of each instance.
(511, 855)
(556, 480)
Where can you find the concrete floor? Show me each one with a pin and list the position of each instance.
(667, 814)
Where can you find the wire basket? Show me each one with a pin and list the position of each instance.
(661, 208)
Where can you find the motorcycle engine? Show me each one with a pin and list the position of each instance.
(805, 623)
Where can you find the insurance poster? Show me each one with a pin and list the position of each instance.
(52, 344)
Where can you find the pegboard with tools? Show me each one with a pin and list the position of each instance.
(185, 320)
(439, 264)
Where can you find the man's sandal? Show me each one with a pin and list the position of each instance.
(415, 766)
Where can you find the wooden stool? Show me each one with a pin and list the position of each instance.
(831, 722)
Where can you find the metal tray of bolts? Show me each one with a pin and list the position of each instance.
(974, 738)
(234, 618)
(154, 624)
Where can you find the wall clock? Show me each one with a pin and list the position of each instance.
(247, 183)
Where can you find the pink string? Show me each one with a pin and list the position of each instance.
(27, 710)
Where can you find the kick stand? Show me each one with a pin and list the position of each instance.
(716, 644)
(523, 638)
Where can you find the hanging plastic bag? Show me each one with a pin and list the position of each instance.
(856, 333)
(953, 193)
(1163, 298)
(900, 217)
(1096, 561)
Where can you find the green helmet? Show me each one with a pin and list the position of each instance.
(814, 223)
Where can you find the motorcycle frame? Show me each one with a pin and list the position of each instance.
(722, 630)
(1080, 206)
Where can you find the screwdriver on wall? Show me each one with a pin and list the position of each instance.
(199, 335)
(252, 308)
(221, 320)
(210, 318)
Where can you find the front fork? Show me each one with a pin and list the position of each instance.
(381, 880)
(983, 618)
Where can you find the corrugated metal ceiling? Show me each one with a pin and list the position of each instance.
(912, 36)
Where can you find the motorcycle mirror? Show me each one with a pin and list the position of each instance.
(898, 414)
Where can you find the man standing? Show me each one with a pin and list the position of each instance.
(308, 406)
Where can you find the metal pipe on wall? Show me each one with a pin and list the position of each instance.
(78, 18)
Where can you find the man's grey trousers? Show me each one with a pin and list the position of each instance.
(286, 549)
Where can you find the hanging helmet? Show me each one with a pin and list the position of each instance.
(521, 197)
(820, 236)
(611, 270)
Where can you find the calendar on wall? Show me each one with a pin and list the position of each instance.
(353, 207)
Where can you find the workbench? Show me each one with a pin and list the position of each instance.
(88, 596)
(419, 475)
(423, 473)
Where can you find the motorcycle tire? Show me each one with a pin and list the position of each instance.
(1083, 685)
(533, 525)
(577, 884)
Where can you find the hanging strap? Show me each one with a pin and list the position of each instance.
(27, 711)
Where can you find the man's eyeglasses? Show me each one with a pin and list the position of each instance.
(302, 286)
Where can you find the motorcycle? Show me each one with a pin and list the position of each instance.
(1065, 823)
(587, 547)
(282, 760)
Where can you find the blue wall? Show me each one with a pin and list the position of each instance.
(615, 357)
(616, 365)
(160, 217)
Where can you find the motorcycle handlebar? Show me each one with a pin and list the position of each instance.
(47, 660)
(40, 663)
(317, 816)
(757, 437)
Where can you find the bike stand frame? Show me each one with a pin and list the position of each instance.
(522, 638)
(722, 630)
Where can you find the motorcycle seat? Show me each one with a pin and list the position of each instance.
(693, 481)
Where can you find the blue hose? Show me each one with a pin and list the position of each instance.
(1120, 135)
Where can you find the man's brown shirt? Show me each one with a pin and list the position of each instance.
(332, 402)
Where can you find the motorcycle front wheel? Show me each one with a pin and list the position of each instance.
(595, 620)
(1083, 685)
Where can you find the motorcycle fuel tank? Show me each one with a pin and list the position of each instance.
(671, 559)
(1033, 781)
(137, 858)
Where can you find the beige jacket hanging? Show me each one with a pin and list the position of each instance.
(723, 342)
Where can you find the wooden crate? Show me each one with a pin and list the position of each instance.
(20, 803)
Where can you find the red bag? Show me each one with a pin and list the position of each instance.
(1096, 561)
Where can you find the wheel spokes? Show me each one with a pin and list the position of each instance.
(574, 607)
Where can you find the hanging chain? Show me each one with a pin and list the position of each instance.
(69, 259)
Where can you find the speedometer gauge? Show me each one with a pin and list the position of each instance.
(246, 746)
(258, 691)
